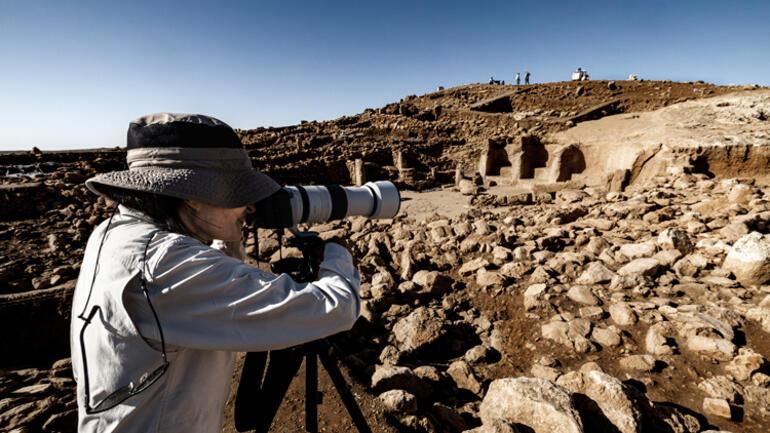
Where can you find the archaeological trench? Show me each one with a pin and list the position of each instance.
(570, 257)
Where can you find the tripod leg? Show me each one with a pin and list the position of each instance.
(344, 391)
(281, 369)
(246, 418)
(311, 392)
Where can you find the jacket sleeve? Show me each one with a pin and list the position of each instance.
(207, 300)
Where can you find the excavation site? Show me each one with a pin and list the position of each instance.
(568, 257)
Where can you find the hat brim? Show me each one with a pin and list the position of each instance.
(216, 187)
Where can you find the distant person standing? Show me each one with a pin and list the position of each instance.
(518, 78)
(526, 77)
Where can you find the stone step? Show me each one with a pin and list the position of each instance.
(499, 180)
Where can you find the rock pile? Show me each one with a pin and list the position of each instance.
(39, 400)
(633, 302)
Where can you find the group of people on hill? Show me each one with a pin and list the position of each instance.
(517, 79)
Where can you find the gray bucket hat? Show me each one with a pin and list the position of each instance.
(188, 156)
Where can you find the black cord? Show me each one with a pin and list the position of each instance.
(143, 283)
(96, 266)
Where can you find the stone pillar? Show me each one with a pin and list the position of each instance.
(400, 162)
(359, 175)
(458, 174)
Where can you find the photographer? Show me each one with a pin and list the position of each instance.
(158, 313)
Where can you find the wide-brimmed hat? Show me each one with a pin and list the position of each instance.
(188, 156)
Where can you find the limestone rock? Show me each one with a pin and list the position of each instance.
(556, 331)
(399, 402)
(622, 314)
(609, 395)
(421, 329)
(606, 337)
(721, 387)
(595, 273)
(746, 363)
(485, 278)
(467, 187)
(659, 339)
(718, 348)
(473, 265)
(390, 377)
(749, 259)
(534, 296)
(638, 251)
(464, 377)
(536, 403)
(638, 363)
(544, 372)
(613, 400)
(432, 282)
(675, 239)
(718, 407)
(583, 295)
(647, 267)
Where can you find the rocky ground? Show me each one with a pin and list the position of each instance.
(575, 309)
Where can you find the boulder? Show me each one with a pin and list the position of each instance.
(749, 259)
(606, 337)
(463, 376)
(474, 265)
(745, 364)
(583, 295)
(398, 402)
(638, 363)
(721, 387)
(421, 329)
(718, 407)
(556, 331)
(432, 282)
(595, 273)
(611, 397)
(622, 314)
(485, 278)
(534, 296)
(541, 405)
(675, 239)
(390, 377)
(660, 338)
(718, 348)
(638, 251)
(647, 267)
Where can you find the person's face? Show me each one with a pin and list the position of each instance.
(207, 222)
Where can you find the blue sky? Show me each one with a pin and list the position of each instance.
(74, 73)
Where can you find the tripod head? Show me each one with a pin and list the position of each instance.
(302, 269)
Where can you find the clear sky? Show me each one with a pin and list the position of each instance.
(74, 73)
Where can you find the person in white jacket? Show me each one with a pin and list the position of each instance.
(158, 313)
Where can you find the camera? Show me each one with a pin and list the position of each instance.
(294, 205)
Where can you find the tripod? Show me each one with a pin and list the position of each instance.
(266, 376)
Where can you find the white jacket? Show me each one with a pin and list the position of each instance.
(209, 306)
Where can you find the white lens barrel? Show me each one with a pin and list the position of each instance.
(387, 199)
(314, 204)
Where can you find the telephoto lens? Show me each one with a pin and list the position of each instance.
(294, 205)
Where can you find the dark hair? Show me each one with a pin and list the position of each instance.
(163, 209)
